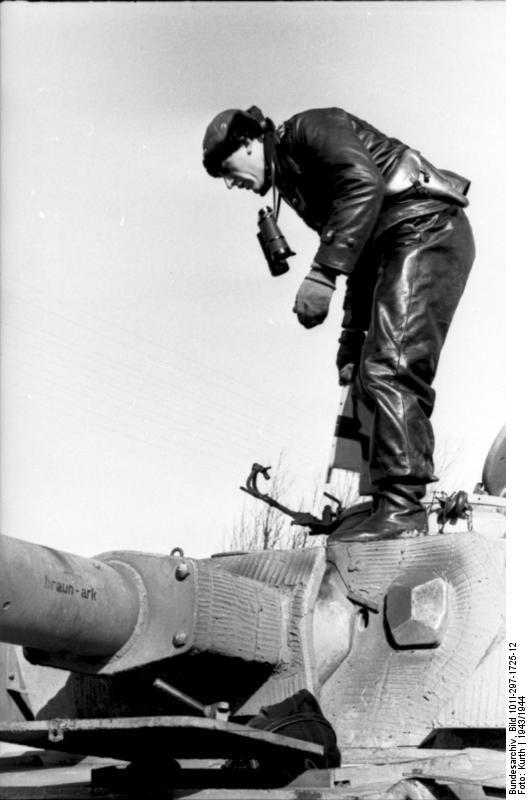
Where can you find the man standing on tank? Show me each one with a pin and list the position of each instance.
(394, 225)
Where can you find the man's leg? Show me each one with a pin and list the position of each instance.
(424, 268)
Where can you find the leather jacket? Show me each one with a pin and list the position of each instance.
(350, 182)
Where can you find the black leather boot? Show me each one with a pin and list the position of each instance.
(396, 509)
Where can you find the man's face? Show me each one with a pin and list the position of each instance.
(245, 168)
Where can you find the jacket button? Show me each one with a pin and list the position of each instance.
(295, 202)
(328, 236)
(351, 242)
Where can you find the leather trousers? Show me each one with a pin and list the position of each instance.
(422, 267)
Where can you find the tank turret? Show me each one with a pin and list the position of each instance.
(389, 653)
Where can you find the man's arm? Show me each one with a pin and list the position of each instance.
(330, 150)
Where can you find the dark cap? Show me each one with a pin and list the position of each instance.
(226, 132)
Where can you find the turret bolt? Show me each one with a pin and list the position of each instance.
(179, 639)
(417, 612)
(182, 570)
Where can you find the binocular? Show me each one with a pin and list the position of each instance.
(274, 246)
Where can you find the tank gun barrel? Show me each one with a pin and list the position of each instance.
(123, 610)
(56, 601)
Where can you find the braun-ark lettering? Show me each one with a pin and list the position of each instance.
(85, 592)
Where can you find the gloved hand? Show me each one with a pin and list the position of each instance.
(347, 374)
(313, 298)
(349, 354)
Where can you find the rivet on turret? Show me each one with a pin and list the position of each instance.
(181, 571)
(179, 639)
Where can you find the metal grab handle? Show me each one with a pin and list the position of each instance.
(304, 518)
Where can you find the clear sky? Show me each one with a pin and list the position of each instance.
(148, 358)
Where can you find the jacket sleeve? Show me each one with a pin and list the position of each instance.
(347, 175)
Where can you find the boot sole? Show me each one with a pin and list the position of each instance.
(358, 536)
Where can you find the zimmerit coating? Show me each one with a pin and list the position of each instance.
(383, 694)
(297, 574)
(237, 616)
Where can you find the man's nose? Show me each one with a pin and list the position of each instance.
(229, 182)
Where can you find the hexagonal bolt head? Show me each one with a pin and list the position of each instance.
(417, 613)
(181, 571)
(179, 639)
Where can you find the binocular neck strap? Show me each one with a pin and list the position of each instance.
(270, 154)
(275, 195)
